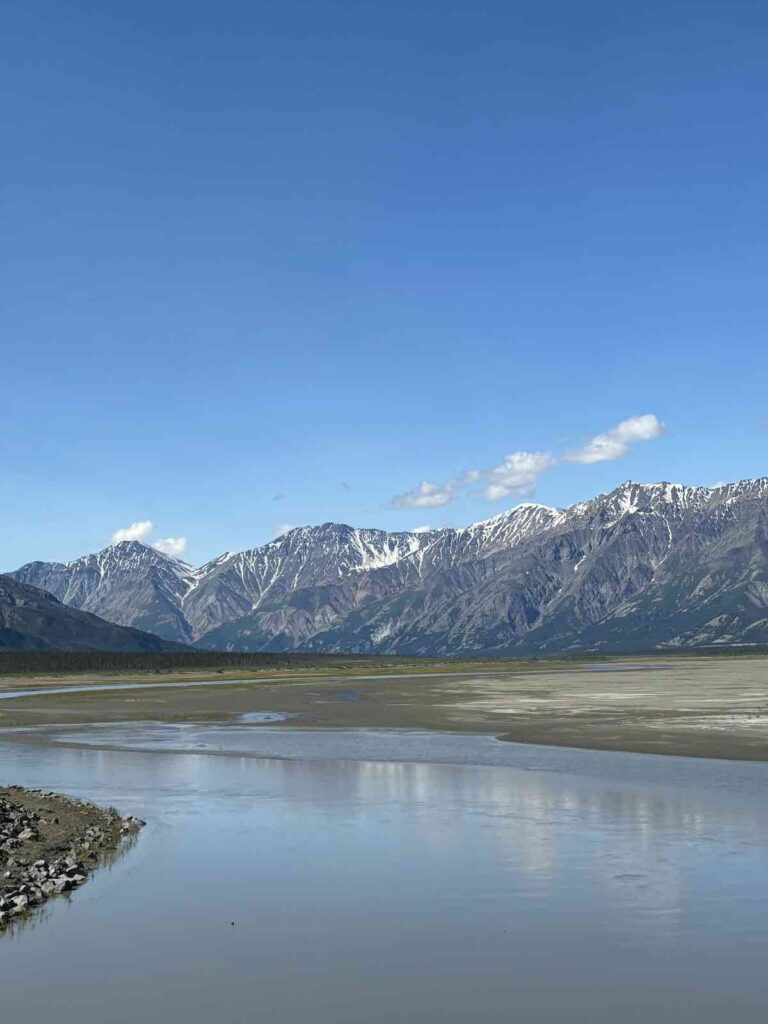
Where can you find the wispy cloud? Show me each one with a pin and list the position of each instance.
(617, 441)
(517, 475)
(421, 529)
(427, 494)
(173, 546)
(282, 528)
(136, 531)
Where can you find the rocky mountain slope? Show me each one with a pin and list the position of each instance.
(31, 619)
(656, 565)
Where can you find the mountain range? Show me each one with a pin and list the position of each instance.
(644, 566)
(31, 619)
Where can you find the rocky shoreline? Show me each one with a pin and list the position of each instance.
(49, 844)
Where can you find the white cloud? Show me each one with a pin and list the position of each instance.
(428, 494)
(282, 528)
(173, 546)
(421, 529)
(616, 442)
(141, 531)
(136, 531)
(515, 476)
(518, 473)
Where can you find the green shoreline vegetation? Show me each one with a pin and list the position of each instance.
(62, 663)
(84, 666)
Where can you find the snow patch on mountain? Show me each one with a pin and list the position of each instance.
(468, 586)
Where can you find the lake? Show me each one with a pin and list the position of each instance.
(289, 875)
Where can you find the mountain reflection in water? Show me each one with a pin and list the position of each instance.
(540, 883)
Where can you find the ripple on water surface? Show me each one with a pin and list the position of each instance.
(368, 882)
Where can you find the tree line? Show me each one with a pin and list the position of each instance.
(16, 662)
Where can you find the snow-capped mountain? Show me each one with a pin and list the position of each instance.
(237, 584)
(645, 565)
(127, 583)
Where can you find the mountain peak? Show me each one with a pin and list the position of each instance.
(498, 583)
(123, 552)
(134, 551)
(131, 547)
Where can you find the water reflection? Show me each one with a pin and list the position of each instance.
(38, 915)
(557, 882)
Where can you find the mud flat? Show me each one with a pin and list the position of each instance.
(49, 844)
(707, 707)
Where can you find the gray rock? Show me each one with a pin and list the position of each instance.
(643, 566)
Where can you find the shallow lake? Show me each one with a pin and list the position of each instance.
(289, 875)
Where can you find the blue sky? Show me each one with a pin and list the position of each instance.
(269, 263)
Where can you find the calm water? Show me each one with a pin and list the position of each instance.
(520, 884)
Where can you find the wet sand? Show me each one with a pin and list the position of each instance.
(703, 707)
(373, 666)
